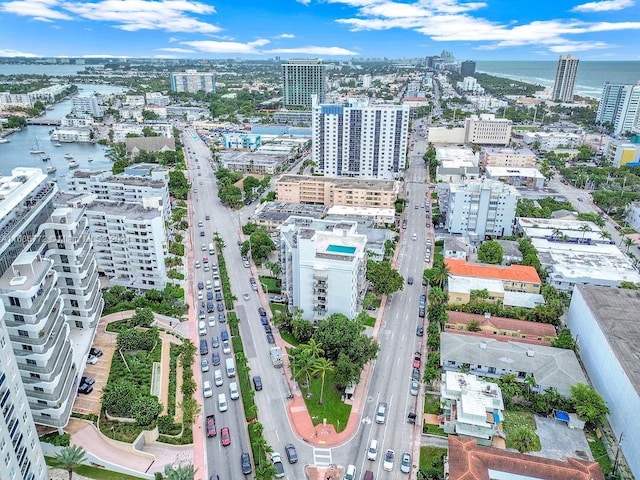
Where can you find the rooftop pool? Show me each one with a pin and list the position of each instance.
(341, 249)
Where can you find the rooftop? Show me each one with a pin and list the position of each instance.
(467, 284)
(455, 244)
(611, 308)
(551, 367)
(450, 157)
(546, 227)
(364, 184)
(517, 273)
(502, 323)
(480, 396)
(508, 151)
(522, 299)
(150, 144)
(127, 210)
(360, 211)
(510, 248)
(26, 271)
(514, 172)
(469, 461)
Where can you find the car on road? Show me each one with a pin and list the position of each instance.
(204, 365)
(421, 312)
(262, 312)
(225, 436)
(264, 320)
(207, 217)
(203, 247)
(200, 296)
(226, 348)
(217, 378)
(417, 360)
(415, 386)
(215, 359)
(415, 374)
(245, 263)
(410, 280)
(381, 412)
(257, 383)
(372, 451)
(267, 328)
(423, 300)
(276, 459)
(405, 463)
(207, 391)
(389, 456)
(245, 462)
(350, 473)
(270, 339)
(201, 223)
(420, 330)
(212, 321)
(215, 342)
(211, 426)
(200, 285)
(202, 233)
(220, 307)
(291, 453)
(246, 296)
(96, 352)
(221, 318)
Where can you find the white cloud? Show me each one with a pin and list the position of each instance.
(173, 39)
(286, 35)
(304, 2)
(312, 50)
(41, 10)
(603, 6)
(8, 52)
(571, 47)
(176, 50)
(104, 55)
(213, 46)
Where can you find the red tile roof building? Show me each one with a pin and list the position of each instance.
(514, 278)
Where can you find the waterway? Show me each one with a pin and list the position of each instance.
(88, 155)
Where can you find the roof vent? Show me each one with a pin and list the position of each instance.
(530, 353)
(483, 345)
(487, 314)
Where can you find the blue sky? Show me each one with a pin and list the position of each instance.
(471, 29)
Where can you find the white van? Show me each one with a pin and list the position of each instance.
(206, 389)
(233, 391)
(216, 285)
(231, 368)
(217, 377)
(202, 327)
(350, 473)
(222, 402)
(372, 451)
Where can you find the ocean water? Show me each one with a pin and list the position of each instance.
(589, 81)
(32, 69)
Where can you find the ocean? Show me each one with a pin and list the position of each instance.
(589, 81)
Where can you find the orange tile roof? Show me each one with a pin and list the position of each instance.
(516, 273)
(468, 461)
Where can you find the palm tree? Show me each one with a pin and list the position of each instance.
(441, 275)
(70, 458)
(556, 233)
(181, 472)
(303, 364)
(604, 234)
(628, 242)
(313, 348)
(584, 229)
(217, 239)
(322, 366)
(524, 439)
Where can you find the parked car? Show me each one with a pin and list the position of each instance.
(415, 386)
(211, 426)
(264, 320)
(96, 352)
(417, 360)
(291, 453)
(246, 296)
(262, 312)
(225, 436)
(87, 380)
(388, 460)
(415, 374)
(267, 328)
(270, 339)
(92, 359)
(405, 463)
(85, 389)
(420, 330)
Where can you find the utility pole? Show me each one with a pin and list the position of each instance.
(615, 463)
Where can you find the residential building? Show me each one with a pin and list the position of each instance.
(468, 67)
(136, 145)
(292, 117)
(633, 215)
(456, 165)
(609, 335)
(330, 191)
(122, 130)
(516, 176)
(8, 100)
(561, 229)
(192, 81)
(377, 217)
(566, 72)
(550, 367)
(463, 290)
(75, 122)
(500, 328)
(270, 215)
(72, 134)
(40, 337)
(86, 104)
(22, 456)
(356, 139)
(619, 107)
(510, 251)
(467, 460)
(323, 267)
(546, 141)
(507, 157)
(471, 85)
(471, 407)
(302, 78)
(621, 153)
(514, 278)
(478, 208)
(486, 129)
(456, 247)
(49, 94)
(252, 162)
(157, 98)
(134, 100)
(571, 263)
(245, 141)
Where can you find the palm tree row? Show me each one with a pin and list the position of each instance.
(307, 361)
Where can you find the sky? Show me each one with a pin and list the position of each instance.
(331, 29)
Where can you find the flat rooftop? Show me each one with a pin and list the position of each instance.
(450, 157)
(358, 183)
(514, 172)
(508, 151)
(611, 308)
(27, 270)
(361, 211)
(127, 210)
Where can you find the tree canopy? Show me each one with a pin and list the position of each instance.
(491, 252)
(384, 279)
(589, 404)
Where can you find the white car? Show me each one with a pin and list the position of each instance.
(372, 451)
(246, 296)
(92, 359)
(405, 464)
(197, 263)
(350, 473)
(388, 460)
(226, 348)
(212, 321)
(200, 296)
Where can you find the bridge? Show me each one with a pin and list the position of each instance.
(48, 122)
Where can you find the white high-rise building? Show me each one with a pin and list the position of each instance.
(565, 78)
(486, 129)
(324, 266)
(192, 81)
(86, 104)
(302, 78)
(20, 450)
(356, 139)
(619, 106)
(479, 208)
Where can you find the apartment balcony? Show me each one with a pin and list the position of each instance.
(22, 211)
(60, 360)
(61, 388)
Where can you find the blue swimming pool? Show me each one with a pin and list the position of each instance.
(341, 249)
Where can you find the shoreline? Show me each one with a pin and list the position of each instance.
(577, 90)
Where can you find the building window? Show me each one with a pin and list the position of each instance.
(23, 333)
(14, 301)
(29, 348)
(30, 361)
(34, 375)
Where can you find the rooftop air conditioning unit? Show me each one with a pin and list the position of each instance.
(530, 353)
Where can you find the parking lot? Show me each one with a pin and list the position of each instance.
(559, 441)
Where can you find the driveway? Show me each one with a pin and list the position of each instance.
(559, 441)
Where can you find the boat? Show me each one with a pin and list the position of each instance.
(57, 144)
(36, 150)
(90, 159)
(52, 169)
(4, 140)
(68, 156)
(46, 159)
(73, 164)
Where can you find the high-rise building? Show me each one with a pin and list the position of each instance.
(356, 139)
(565, 78)
(324, 266)
(486, 129)
(86, 104)
(193, 81)
(21, 454)
(468, 67)
(619, 107)
(302, 78)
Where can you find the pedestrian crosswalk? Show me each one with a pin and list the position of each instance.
(322, 457)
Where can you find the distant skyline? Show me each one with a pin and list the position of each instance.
(335, 29)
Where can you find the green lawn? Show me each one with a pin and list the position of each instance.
(599, 453)
(516, 418)
(273, 284)
(278, 307)
(433, 430)
(334, 410)
(432, 404)
(95, 472)
(287, 337)
(370, 322)
(431, 461)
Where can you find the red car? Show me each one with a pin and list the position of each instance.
(211, 426)
(205, 259)
(417, 360)
(225, 436)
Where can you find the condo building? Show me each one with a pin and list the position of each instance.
(619, 107)
(192, 81)
(566, 72)
(302, 78)
(486, 129)
(356, 139)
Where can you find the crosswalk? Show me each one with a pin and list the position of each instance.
(322, 457)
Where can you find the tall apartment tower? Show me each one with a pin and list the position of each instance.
(620, 107)
(193, 81)
(468, 67)
(20, 450)
(302, 78)
(565, 78)
(355, 139)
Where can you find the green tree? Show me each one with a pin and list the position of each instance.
(564, 340)
(181, 472)
(589, 404)
(16, 121)
(142, 318)
(479, 295)
(473, 326)
(384, 279)
(629, 285)
(249, 184)
(313, 348)
(437, 297)
(491, 252)
(178, 185)
(523, 439)
(149, 115)
(346, 373)
(117, 396)
(230, 195)
(302, 366)
(369, 300)
(70, 458)
(322, 367)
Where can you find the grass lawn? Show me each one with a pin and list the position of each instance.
(432, 404)
(95, 472)
(431, 460)
(278, 307)
(599, 453)
(273, 284)
(287, 337)
(433, 430)
(516, 418)
(334, 410)
(370, 322)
